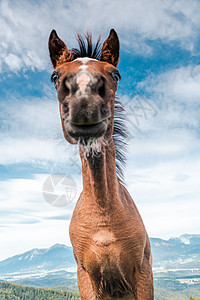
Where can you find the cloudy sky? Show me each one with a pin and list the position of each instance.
(160, 88)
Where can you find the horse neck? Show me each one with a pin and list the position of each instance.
(100, 183)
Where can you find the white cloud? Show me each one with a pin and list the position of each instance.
(182, 84)
(32, 133)
(171, 109)
(164, 144)
(23, 237)
(28, 150)
(27, 220)
(25, 26)
(168, 206)
(13, 62)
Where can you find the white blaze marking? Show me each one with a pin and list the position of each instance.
(83, 81)
(84, 60)
(104, 238)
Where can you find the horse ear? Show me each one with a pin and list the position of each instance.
(110, 49)
(57, 50)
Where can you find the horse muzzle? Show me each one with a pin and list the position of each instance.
(85, 107)
(86, 131)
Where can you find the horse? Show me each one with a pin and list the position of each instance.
(110, 243)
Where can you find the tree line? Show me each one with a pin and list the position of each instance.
(10, 291)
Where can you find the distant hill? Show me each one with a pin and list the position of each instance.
(57, 257)
(53, 266)
(177, 253)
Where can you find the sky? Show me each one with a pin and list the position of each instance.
(160, 89)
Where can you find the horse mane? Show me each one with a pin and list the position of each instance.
(120, 134)
(86, 48)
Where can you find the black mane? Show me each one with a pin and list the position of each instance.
(86, 48)
(120, 135)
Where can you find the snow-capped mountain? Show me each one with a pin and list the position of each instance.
(177, 259)
(177, 252)
(57, 257)
(188, 239)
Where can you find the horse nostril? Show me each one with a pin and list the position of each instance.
(67, 84)
(65, 107)
(67, 87)
(101, 87)
(105, 111)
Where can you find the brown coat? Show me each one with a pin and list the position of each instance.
(110, 243)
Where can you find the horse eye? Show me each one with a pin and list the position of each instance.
(116, 76)
(54, 77)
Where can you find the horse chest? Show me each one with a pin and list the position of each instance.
(103, 250)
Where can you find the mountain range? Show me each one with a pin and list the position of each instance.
(176, 258)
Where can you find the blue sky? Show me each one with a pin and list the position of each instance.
(160, 88)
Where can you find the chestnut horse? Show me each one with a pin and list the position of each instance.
(109, 240)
